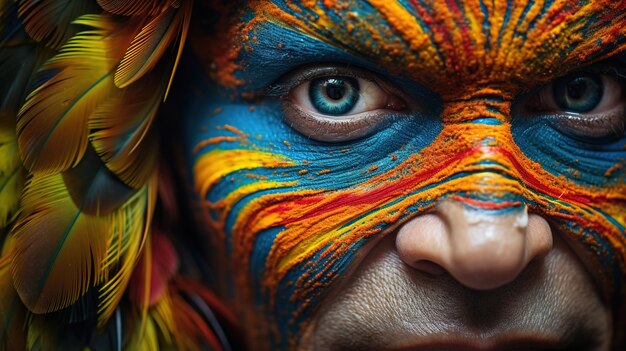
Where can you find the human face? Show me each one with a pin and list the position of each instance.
(403, 175)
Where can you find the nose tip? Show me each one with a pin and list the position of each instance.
(480, 249)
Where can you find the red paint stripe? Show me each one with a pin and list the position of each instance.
(488, 205)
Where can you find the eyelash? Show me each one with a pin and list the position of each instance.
(335, 128)
(588, 127)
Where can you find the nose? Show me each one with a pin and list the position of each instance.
(481, 249)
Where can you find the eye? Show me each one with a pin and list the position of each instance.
(335, 104)
(586, 105)
(334, 96)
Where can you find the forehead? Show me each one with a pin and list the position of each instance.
(444, 44)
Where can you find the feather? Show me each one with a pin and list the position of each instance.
(122, 137)
(194, 288)
(12, 178)
(50, 21)
(191, 326)
(186, 10)
(52, 123)
(134, 7)
(11, 28)
(12, 314)
(148, 339)
(210, 318)
(58, 249)
(93, 188)
(16, 67)
(131, 228)
(163, 265)
(42, 336)
(151, 42)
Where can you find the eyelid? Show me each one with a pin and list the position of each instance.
(283, 87)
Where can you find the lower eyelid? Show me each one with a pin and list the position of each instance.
(599, 126)
(331, 129)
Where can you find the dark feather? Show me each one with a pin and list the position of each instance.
(134, 7)
(50, 21)
(94, 189)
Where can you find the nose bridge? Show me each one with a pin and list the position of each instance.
(478, 121)
(488, 105)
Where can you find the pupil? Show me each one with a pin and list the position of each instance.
(578, 93)
(335, 89)
(577, 88)
(334, 96)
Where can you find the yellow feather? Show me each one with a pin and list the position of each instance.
(42, 336)
(58, 249)
(123, 136)
(52, 123)
(146, 340)
(12, 176)
(131, 229)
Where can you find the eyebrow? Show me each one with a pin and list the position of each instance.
(279, 49)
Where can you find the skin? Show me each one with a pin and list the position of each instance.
(445, 221)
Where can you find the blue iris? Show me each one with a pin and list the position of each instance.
(334, 95)
(578, 93)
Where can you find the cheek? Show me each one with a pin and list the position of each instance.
(291, 213)
(592, 179)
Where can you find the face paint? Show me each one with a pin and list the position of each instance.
(291, 213)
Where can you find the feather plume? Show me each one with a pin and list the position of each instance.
(122, 137)
(58, 249)
(50, 21)
(134, 7)
(151, 42)
(131, 228)
(52, 123)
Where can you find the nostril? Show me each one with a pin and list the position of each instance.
(429, 267)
